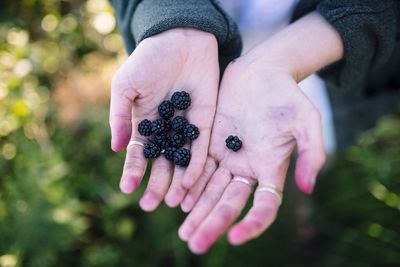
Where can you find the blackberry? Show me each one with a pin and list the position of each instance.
(177, 140)
(151, 151)
(233, 143)
(144, 127)
(160, 126)
(182, 157)
(161, 140)
(179, 123)
(191, 131)
(169, 153)
(166, 110)
(181, 100)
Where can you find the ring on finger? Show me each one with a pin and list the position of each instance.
(134, 142)
(271, 188)
(243, 181)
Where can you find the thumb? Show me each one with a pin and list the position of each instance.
(311, 154)
(122, 96)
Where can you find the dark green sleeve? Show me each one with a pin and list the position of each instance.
(138, 20)
(369, 31)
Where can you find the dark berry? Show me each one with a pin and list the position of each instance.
(161, 140)
(179, 123)
(177, 140)
(166, 110)
(151, 151)
(182, 157)
(160, 126)
(169, 153)
(191, 131)
(233, 143)
(181, 100)
(144, 127)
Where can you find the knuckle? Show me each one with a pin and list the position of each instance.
(134, 163)
(154, 185)
(226, 212)
(256, 224)
(209, 169)
(211, 164)
(115, 117)
(122, 85)
(211, 196)
(161, 166)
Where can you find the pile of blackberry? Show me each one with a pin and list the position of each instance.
(169, 135)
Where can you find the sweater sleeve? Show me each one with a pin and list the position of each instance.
(140, 19)
(369, 31)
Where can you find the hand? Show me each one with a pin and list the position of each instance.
(175, 60)
(268, 111)
(260, 102)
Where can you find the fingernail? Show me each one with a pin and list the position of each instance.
(198, 246)
(148, 202)
(172, 199)
(184, 233)
(312, 183)
(186, 205)
(127, 185)
(115, 145)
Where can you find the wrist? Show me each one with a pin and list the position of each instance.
(188, 37)
(300, 49)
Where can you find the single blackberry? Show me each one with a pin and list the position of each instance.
(161, 140)
(233, 143)
(191, 131)
(182, 157)
(151, 151)
(160, 126)
(179, 123)
(181, 100)
(177, 140)
(144, 127)
(169, 153)
(166, 110)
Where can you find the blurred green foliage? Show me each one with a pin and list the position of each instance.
(59, 198)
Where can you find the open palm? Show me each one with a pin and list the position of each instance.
(268, 112)
(175, 60)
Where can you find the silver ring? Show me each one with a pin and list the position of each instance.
(243, 181)
(134, 142)
(271, 188)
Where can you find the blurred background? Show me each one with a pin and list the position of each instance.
(59, 199)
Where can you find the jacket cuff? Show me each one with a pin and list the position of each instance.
(369, 32)
(155, 16)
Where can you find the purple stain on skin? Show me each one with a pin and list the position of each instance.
(283, 113)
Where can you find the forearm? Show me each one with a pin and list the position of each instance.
(302, 48)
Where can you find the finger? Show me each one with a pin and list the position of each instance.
(311, 153)
(208, 199)
(194, 193)
(134, 168)
(203, 117)
(176, 191)
(122, 97)
(158, 184)
(223, 214)
(257, 220)
(265, 204)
